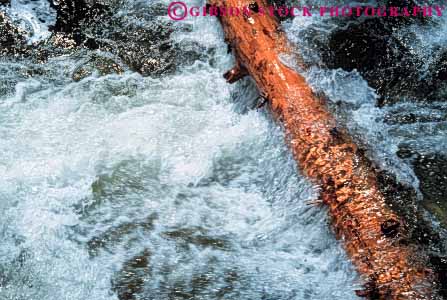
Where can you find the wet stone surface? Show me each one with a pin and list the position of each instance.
(97, 64)
(385, 58)
(431, 170)
(130, 280)
(384, 61)
(140, 39)
(12, 40)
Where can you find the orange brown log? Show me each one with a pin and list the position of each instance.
(371, 232)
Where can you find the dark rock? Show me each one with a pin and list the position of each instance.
(440, 264)
(402, 117)
(145, 46)
(440, 71)
(99, 64)
(196, 236)
(129, 281)
(118, 234)
(431, 170)
(12, 40)
(403, 200)
(149, 49)
(384, 59)
(74, 15)
(145, 49)
(405, 152)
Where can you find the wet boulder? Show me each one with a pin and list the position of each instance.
(385, 58)
(403, 200)
(146, 49)
(12, 39)
(369, 47)
(130, 280)
(140, 37)
(145, 41)
(100, 65)
(73, 16)
(431, 170)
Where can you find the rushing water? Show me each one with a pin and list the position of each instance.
(33, 16)
(398, 134)
(131, 187)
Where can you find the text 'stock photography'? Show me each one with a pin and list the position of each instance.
(179, 11)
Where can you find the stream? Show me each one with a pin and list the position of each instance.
(123, 186)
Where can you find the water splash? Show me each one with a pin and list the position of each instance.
(120, 185)
(33, 16)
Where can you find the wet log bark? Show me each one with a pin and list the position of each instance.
(373, 235)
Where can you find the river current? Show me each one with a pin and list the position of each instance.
(174, 187)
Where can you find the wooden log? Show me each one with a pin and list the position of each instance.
(371, 232)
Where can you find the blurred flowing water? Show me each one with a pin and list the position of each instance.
(131, 187)
(406, 137)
